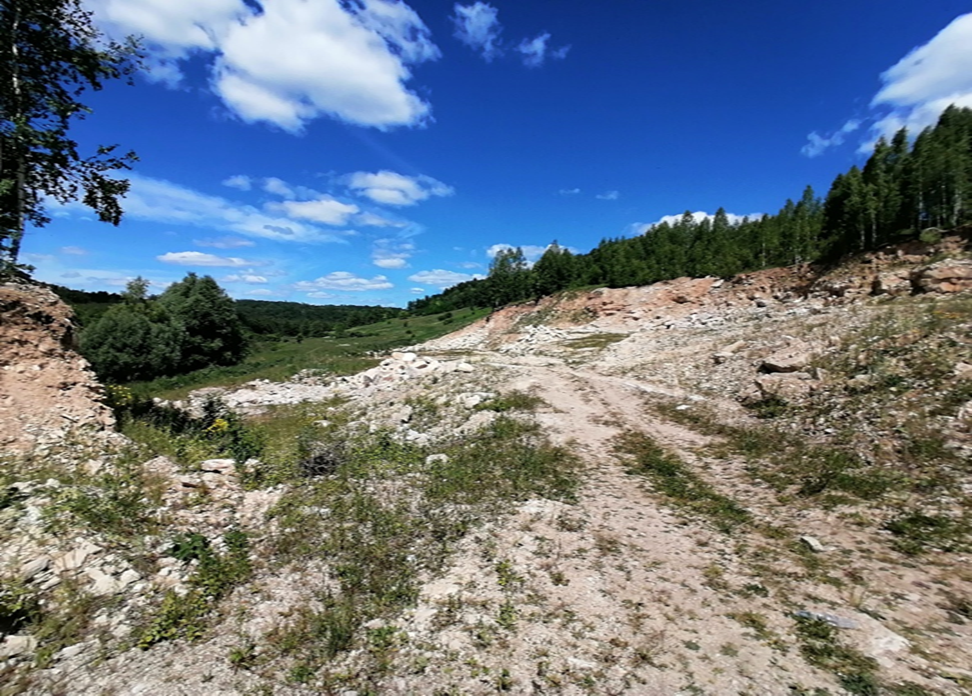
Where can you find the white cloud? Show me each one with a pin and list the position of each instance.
(818, 143)
(391, 263)
(391, 253)
(569, 192)
(344, 281)
(417, 291)
(162, 201)
(442, 279)
(239, 181)
(260, 292)
(390, 188)
(469, 264)
(478, 27)
(198, 258)
(224, 242)
(250, 278)
(915, 90)
(923, 83)
(74, 251)
(637, 228)
(608, 196)
(373, 220)
(535, 51)
(278, 187)
(289, 61)
(531, 252)
(325, 210)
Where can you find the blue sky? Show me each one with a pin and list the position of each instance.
(374, 151)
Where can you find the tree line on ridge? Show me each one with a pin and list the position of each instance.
(904, 188)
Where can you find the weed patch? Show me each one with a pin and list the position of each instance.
(916, 532)
(676, 481)
(822, 647)
(215, 574)
(384, 516)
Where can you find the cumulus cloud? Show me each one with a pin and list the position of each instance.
(390, 188)
(344, 281)
(288, 61)
(239, 181)
(198, 258)
(417, 291)
(442, 279)
(74, 251)
(535, 51)
(162, 201)
(816, 143)
(224, 242)
(608, 196)
(915, 90)
(920, 86)
(477, 26)
(325, 210)
(391, 253)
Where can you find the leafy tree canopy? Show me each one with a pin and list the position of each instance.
(50, 54)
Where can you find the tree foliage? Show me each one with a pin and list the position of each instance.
(902, 189)
(50, 54)
(213, 331)
(134, 340)
(192, 325)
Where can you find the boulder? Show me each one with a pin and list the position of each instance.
(792, 358)
(893, 282)
(950, 275)
(789, 386)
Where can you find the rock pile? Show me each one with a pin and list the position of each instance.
(400, 367)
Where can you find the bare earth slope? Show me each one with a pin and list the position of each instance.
(46, 389)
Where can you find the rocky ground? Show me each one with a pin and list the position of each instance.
(748, 577)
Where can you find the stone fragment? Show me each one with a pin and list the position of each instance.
(102, 583)
(436, 458)
(70, 651)
(17, 646)
(790, 359)
(32, 568)
(465, 367)
(128, 577)
(219, 466)
(813, 544)
(74, 559)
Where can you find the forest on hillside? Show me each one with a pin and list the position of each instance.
(262, 318)
(904, 188)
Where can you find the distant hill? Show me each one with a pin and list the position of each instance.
(261, 317)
